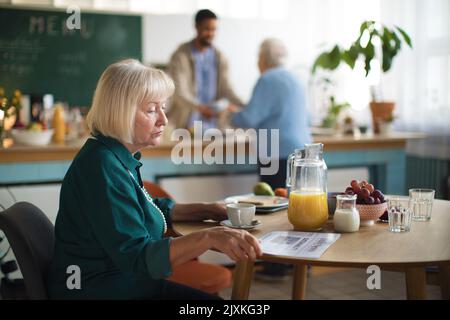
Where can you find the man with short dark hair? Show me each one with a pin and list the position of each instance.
(200, 72)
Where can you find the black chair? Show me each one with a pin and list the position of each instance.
(31, 236)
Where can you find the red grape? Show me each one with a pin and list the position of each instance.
(376, 194)
(370, 187)
(359, 198)
(354, 184)
(357, 189)
(349, 189)
(363, 183)
(379, 195)
(369, 200)
(365, 193)
(377, 201)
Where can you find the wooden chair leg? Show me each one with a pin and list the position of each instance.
(416, 281)
(242, 280)
(444, 281)
(299, 285)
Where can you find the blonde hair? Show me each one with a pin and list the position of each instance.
(122, 87)
(274, 52)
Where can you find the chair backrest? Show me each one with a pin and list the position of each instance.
(31, 236)
(155, 190)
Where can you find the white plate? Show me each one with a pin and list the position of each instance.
(278, 201)
(227, 223)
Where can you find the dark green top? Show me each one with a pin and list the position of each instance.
(107, 227)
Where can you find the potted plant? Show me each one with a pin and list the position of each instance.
(334, 109)
(385, 125)
(376, 42)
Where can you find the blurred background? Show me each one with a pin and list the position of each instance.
(54, 68)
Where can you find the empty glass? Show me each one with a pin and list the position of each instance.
(421, 202)
(399, 214)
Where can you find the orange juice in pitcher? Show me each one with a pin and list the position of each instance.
(307, 211)
(307, 177)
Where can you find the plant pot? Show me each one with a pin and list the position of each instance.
(381, 111)
(385, 127)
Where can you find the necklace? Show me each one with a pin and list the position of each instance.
(150, 200)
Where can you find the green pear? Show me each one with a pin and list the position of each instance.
(263, 189)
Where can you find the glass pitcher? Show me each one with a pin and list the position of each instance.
(308, 207)
(298, 154)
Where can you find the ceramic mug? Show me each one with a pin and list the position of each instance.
(241, 214)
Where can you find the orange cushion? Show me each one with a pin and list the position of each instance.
(203, 276)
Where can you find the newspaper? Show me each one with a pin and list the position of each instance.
(297, 244)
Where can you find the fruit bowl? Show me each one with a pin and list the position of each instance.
(32, 138)
(369, 213)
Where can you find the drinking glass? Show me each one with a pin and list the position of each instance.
(400, 214)
(421, 201)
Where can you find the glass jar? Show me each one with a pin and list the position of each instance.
(308, 207)
(346, 216)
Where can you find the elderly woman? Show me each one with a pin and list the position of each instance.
(108, 227)
(277, 102)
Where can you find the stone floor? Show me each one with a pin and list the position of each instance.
(333, 283)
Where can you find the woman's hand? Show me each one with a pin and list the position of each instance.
(236, 244)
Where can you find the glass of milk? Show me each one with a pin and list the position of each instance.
(346, 215)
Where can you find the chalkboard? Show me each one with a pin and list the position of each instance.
(40, 55)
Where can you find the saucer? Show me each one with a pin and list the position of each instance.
(227, 223)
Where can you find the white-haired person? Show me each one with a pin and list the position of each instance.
(108, 226)
(277, 102)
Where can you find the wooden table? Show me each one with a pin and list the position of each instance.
(427, 244)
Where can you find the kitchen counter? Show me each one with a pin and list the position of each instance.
(54, 152)
(383, 155)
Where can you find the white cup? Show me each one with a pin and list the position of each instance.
(241, 214)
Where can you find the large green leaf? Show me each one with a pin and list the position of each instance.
(351, 55)
(369, 53)
(321, 61)
(366, 25)
(348, 59)
(335, 57)
(405, 36)
(391, 45)
(398, 42)
(387, 36)
(328, 60)
(387, 58)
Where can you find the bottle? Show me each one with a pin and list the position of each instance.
(346, 217)
(59, 124)
(74, 124)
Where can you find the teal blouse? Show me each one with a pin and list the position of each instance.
(108, 228)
